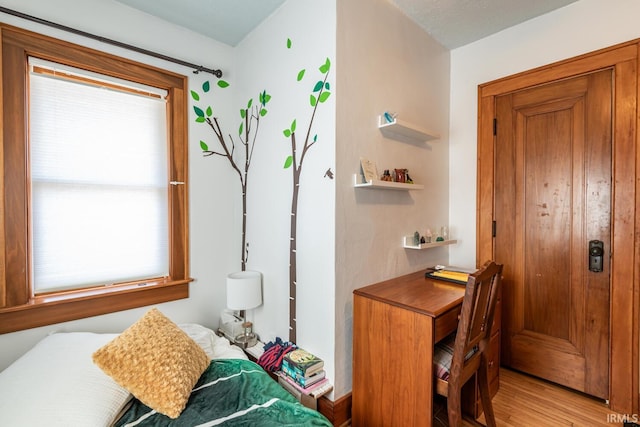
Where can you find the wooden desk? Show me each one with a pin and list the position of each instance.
(395, 325)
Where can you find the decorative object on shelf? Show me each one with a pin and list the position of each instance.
(369, 170)
(390, 117)
(428, 235)
(416, 238)
(407, 178)
(244, 292)
(386, 176)
(399, 175)
(444, 232)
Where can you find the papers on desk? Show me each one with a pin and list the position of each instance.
(451, 274)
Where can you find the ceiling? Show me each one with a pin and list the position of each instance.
(453, 23)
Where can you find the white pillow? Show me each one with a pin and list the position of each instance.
(216, 347)
(222, 349)
(57, 384)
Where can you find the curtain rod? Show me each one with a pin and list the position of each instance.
(197, 68)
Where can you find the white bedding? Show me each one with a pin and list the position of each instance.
(56, 383)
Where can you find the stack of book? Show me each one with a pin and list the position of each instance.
(303, 373)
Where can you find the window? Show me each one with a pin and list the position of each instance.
(90, 145)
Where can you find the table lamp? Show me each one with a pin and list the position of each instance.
(244, 292)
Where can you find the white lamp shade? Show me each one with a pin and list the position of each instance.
(244, 290)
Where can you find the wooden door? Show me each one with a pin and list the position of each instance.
(552, 196)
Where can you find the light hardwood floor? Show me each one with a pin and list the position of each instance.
(524, 401)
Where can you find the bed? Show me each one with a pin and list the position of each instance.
(62, 381)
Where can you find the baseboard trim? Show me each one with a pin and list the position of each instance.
(338, 412)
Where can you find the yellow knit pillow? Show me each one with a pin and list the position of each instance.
(156, 361)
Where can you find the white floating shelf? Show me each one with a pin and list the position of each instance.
(359, 182)
(403, 131)
(407, 242)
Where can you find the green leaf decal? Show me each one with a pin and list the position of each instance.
(195, 95)
(288, 162)
(263, 112)
(250, 103)
(264, 98)
(324, 69)
(287, 133)
(313, 101)
(318, 86)
(241, 128)
(223, 84)
(326, 86)
(288, 43)
(243, 113)
(301, 74)
(324, 96)
(293, 126)
(206, 86)
(209, 111)
(315, 137)
(198, 111)
(200, 120)
(204, 146)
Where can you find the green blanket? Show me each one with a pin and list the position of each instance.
(231, 392)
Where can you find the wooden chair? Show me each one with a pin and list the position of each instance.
(465, 350)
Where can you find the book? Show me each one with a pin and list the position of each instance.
(369, 170)
(296, 372)
(311, 390)
(305, 382)
(303, 362)
(309, 381)
(308, 398)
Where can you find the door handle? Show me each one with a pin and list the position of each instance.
(596, 254)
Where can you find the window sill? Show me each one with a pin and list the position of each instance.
(47, 310)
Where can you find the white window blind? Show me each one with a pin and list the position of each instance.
(99, 187)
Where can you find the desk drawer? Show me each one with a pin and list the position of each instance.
(446, 323)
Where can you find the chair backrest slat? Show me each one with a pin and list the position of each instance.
(476, 317)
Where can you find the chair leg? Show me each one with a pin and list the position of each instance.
(454, 407)
(485, 395)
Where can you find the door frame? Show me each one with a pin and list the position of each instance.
(625, 216)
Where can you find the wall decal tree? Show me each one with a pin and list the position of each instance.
(319, 94)
(247, 134)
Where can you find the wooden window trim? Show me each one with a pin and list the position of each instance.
(18, 308)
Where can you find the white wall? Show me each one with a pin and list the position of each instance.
(263, 62)
(578, 28)
(387, 63)
(209, 200)
(260, 62)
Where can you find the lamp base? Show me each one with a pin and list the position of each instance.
(246, 340)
